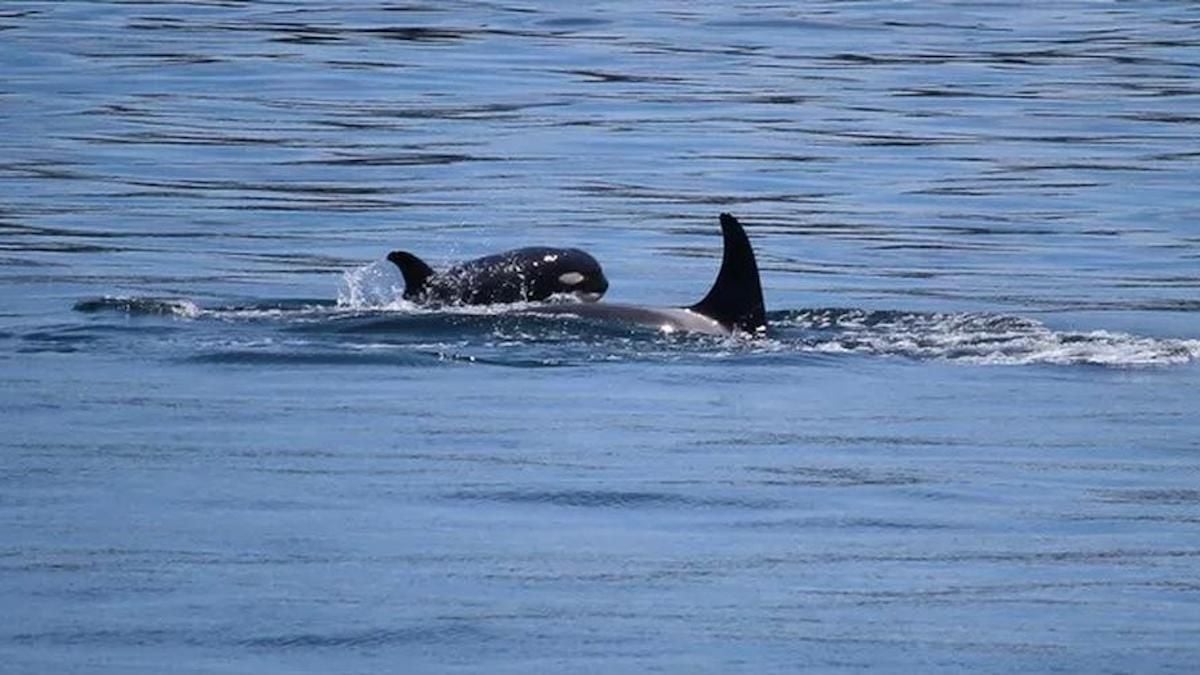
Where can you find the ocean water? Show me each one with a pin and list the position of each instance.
(969, 443)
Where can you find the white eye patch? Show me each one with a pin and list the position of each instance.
(570, 278)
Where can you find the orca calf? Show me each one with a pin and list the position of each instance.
(734, 304)
(521, 275)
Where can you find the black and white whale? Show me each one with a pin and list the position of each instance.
(521, 275)
(734, 304)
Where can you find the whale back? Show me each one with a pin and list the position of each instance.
(735, 299)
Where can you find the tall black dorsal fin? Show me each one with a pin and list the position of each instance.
(735, 299)
(415, 272)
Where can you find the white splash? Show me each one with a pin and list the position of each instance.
(376, 286)
(984, 339)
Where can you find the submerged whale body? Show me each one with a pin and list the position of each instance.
(521, 275)
(734, 304)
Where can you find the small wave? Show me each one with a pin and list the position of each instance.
(248, 357)
(148, 306)
(977, 338)
(438, 632)
(291, 309)
(128, 637)
(1167, 496)
(820, 476)
(609, 499)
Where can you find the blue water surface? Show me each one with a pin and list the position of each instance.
(969, 443)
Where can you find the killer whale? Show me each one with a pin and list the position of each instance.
(529, 274)
(734, 304)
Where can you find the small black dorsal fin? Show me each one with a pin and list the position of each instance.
(415, 272)
(735, 299)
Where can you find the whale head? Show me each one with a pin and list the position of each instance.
(567, 271)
